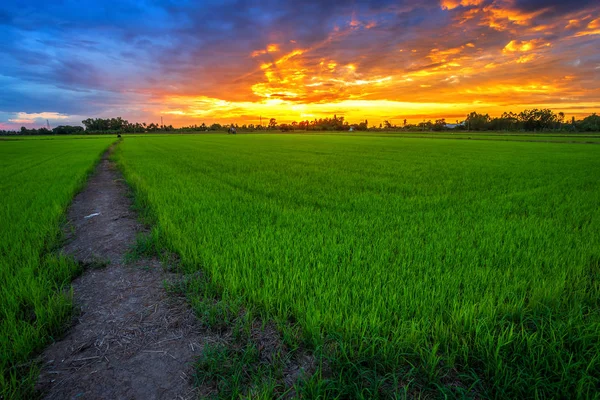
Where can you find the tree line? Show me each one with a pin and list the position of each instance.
(531, 120)
(534, 120)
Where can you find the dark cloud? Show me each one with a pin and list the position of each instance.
(555, 6)
(93, 57)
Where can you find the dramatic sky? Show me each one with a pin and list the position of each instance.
(233, 61)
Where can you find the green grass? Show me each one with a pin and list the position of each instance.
(465, 266)
(57, 137)
(510, 137)
(37, 182)
(550, 137)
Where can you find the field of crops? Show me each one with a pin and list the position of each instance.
(507, 137)
(550, 137)
(464, 266)
(37, 181)
(460, 266)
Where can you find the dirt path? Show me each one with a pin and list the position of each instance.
(130, 340)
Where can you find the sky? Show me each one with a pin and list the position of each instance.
(237, 61)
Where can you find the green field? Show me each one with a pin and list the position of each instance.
(550, 137)
(448, 265)
(590, 138)
(507, 137)
(37, 182)
(411, 266)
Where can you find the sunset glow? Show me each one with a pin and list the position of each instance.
(227, 62)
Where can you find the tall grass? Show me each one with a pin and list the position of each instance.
(475, 265)
(37, 181)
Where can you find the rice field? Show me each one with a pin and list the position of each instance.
(546, 137)
(411, 266)
(467, 267)
(37, 181)
(505, 136)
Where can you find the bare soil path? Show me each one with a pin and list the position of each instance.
(130, 340)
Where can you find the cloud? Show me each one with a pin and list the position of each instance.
(25, 118)
(554, 7)
(138, 58)
(452, 4)
(524, 46)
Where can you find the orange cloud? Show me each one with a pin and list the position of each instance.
(527, 58)
(452, 4)
(187, 110)
(524, 46)
(343, 74)
(361, 59)
(501, 16)
(587, 33)
(441, 56)
(271, 48)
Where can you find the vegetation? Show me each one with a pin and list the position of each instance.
(407, 266)
(531, 120)
(111, 125)
(550, 137)
(528, 120)
(461, 267)
(37, 183)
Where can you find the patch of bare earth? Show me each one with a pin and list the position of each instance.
(130, 340)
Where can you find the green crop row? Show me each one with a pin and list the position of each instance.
(476, 264)
(37, 182)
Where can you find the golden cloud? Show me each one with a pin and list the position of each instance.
(271, 48)
(452, 4)
(524, 46)
(293, 83)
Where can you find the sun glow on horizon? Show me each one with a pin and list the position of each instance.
(447, 82)
(190, 110)
(378, 63)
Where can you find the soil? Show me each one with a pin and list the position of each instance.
(130, 338)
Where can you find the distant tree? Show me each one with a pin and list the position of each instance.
(477, 122)
(509, 121)
(590, 123)
(67, 130)
(531, 120)
(426, 125)
(439, 125)
(537, 120)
